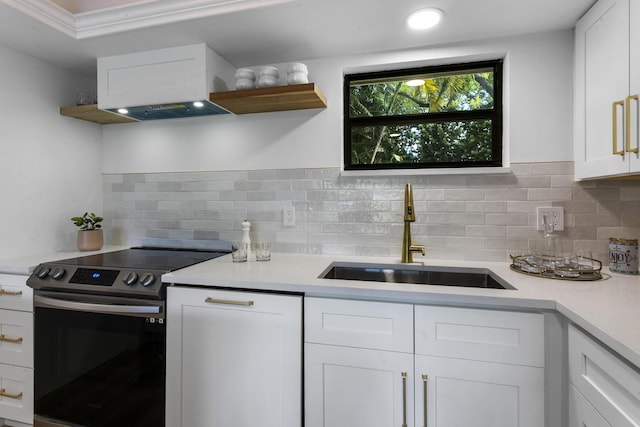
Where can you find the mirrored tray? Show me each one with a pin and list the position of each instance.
(549, 268)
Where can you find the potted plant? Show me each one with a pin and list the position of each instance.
(90, 237)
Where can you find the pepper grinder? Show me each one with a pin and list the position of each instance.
(246, 226)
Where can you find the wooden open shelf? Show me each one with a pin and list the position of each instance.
(268, 99)
(91, 113)
(260, 100)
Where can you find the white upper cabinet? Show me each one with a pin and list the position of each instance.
(607, 84)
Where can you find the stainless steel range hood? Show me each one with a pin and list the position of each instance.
(163, 84)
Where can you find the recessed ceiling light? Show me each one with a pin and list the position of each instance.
(424, 18)
(198, 104)
(123, 111)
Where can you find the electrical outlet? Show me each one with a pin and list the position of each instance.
(289, 216)
(557, 215)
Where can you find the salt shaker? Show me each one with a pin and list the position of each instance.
(246, 227)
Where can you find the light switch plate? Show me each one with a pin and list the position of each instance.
(289, 216)
(557, 213)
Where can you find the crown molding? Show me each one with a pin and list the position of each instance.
(125, 18)
(46, 12)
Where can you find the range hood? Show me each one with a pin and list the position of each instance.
(163, 84)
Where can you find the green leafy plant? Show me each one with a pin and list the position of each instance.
(88, 221)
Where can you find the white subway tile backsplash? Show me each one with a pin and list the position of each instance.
(469, 216)
(464, 194)
(507, 219)
(534, 181)
(485, 231)
(549, 194)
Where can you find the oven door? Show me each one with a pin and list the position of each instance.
(99, 361)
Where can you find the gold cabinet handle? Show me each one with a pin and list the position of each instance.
(627, 108)
(4, 393)
(404, 398)
(614, 118)
(228, 302)
(424, 396)
(12, 293)
(11, 340)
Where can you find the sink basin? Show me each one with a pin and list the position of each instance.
(415, 274)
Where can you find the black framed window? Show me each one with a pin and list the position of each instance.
(447, 116)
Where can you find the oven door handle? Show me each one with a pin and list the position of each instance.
(49, 302)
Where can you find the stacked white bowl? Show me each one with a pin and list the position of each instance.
(297, 73)
(268, 76)
(245, 78)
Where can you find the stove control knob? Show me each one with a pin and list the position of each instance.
(148, 280)
(42, 272)
(58, 273)
(130, 279)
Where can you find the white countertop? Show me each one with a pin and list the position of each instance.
(609, 309)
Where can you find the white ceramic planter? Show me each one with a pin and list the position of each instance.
(90, 240)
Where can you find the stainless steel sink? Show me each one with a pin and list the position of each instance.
(415, 274)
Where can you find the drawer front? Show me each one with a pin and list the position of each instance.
(16, 393)
(362, 324)
(16, 338)
(476, 334)
(14, 293)
(609, 383)
(582, 414)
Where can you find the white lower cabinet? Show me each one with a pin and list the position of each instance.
(470, 367)
(358, 363)
(480, 394)
(233, 358)
(480, 367)
(604, 389)
(357, 387)
(16, 351)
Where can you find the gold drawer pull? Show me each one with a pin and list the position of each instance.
(4, 393)
(12, 293)
(11, 340)
(627, 107)
(228, 302)
(614, 119)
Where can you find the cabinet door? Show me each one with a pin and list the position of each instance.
(233, 359)
(356, 387)
(602, 78)
(581, 413)
(634, 88)
(461, 393)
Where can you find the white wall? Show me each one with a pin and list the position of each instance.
(50, 166)
(538, 75)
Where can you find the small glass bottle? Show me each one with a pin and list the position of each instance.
(552, 249)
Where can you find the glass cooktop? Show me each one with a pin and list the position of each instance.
(145, 258)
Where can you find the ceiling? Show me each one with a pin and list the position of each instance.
(255, 32)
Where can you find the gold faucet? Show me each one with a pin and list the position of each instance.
(409, 216)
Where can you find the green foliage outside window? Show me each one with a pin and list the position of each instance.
(450, 118)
